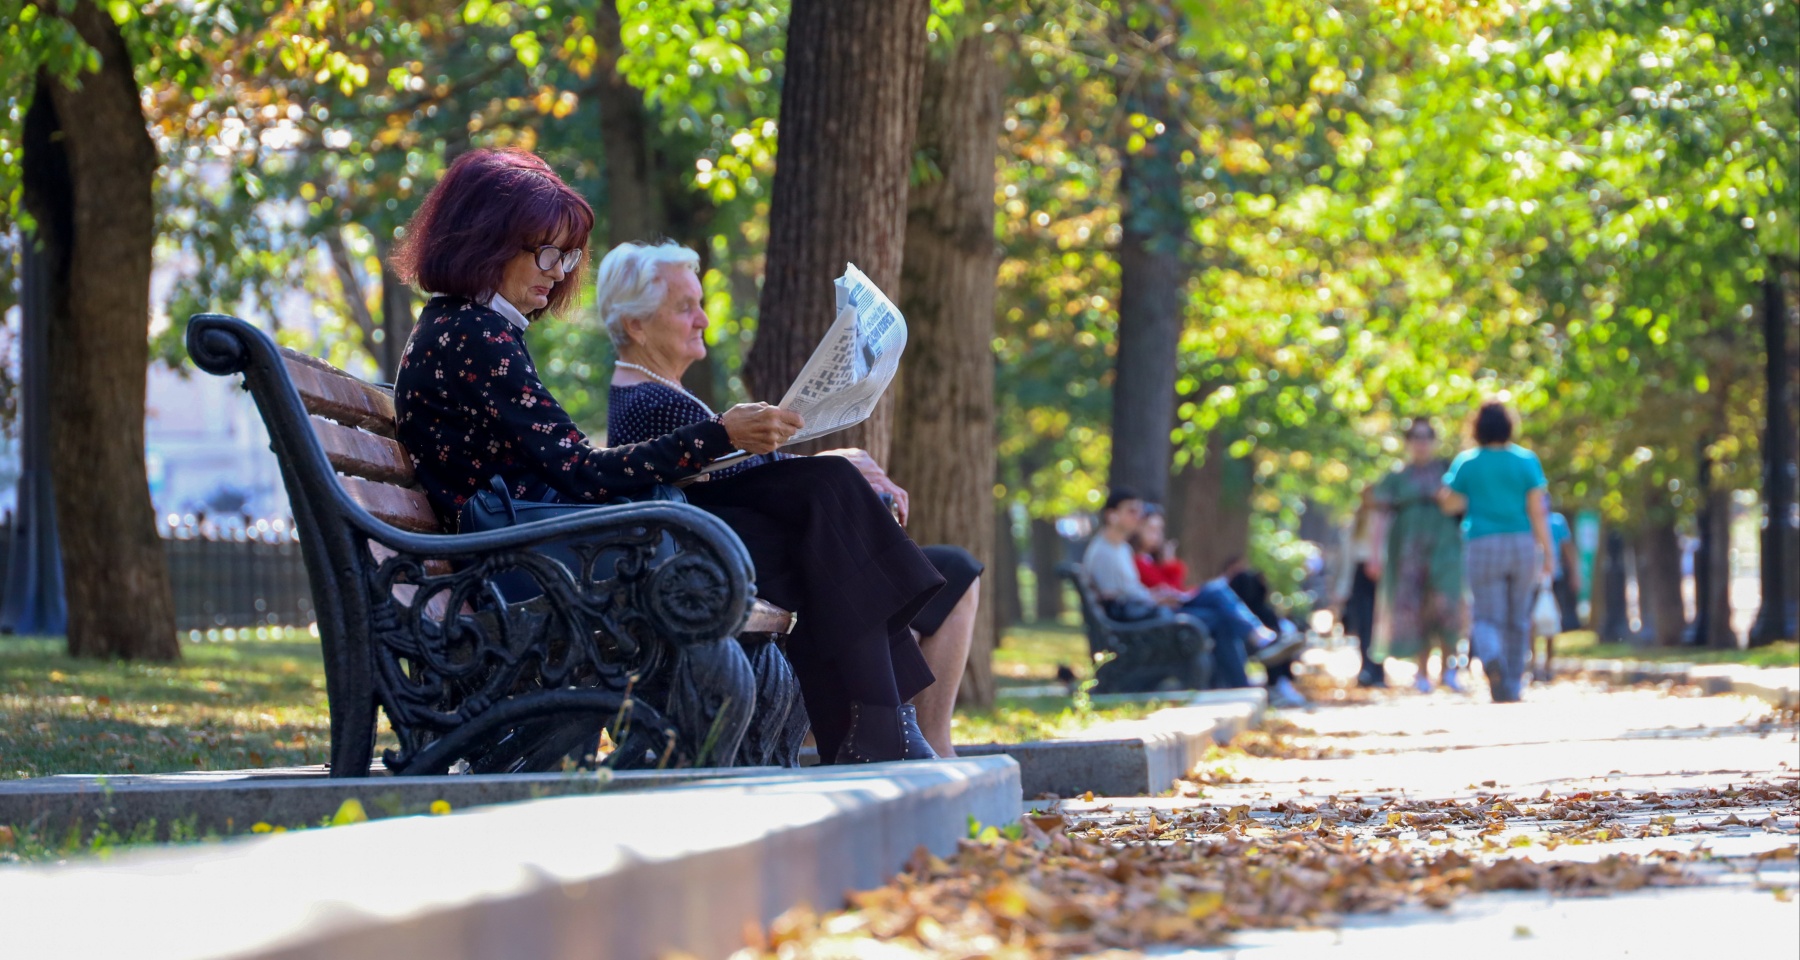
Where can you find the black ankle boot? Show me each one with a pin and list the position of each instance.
(879, 734)
(914, 746)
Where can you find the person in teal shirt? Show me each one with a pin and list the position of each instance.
(1496, 487)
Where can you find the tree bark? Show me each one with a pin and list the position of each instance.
(1152, 279)
(1712, 566)
(1776, 619)
(396, 317)
(1209, 510)
(943, 450)
(849, 105)
(115, 572)
(1659, 576)
(1608, 613)
(31, 599)
(634, 207)
(1008, 609)
(1048, 550)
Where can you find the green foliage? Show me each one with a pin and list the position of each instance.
(1388, 208)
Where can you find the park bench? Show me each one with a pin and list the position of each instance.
(658, 638)
(1145, 655)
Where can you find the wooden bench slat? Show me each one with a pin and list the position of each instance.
(330, 393)
(358, 454)
(399, 506)
(766, 617)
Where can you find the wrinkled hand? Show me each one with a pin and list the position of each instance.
(876, 476)
(1372, 567)
(759, 427)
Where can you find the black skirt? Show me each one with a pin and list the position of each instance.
(825, 548)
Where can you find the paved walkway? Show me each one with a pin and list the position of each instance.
(1720, 772)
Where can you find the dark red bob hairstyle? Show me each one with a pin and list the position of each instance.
(490, 205)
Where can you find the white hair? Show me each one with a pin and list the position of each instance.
(630, 285)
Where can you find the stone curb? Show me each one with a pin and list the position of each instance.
(1777, 686)
(628, 875)
(1132, 758)
(228, 802)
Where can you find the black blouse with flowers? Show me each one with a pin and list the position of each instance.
(468, 405)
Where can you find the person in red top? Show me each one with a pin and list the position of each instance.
(1156, 561)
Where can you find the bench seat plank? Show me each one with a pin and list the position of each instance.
(328, 392)
(366, 455)
(398, 506)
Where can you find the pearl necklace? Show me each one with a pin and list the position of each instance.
(665, 381)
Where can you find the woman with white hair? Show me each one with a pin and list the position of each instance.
(651, 303)
(501, 240)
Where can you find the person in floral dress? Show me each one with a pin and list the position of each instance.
(1418, 563)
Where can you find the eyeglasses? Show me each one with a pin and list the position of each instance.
(549, 256)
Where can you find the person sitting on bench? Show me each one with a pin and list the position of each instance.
(1237, 633)
(650, 301)
(500, 241)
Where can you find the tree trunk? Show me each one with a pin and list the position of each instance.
(1048, 551)
(943, 451)
(1712, 567)
(396, 314)
(1008, 610)
(115, 572)
(634, 207)
(1152, 279)
(1659, 577)
(1608, 614)
(31, 598)
(1209, 512)
(849, 105)
(1776, 620)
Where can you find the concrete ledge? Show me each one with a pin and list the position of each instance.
(227, 802)
(1778, 686)
(628, 875)
(1131, 758)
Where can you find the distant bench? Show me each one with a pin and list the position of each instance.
(1142, 656)
(658, 639)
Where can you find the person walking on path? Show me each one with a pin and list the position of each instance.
(1497, 487)
(1419, 562)
(1357, 587)
(1565, 587)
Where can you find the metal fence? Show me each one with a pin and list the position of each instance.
(228, 575)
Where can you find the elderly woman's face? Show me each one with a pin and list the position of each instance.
(525, 285)
(676, 334)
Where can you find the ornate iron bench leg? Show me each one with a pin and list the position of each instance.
(779, 724)
(712, 695)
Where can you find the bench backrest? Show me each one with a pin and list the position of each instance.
(1091, 614)
(354, 424)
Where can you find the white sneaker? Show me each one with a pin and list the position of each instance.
(1423, 684)
(1452, 680)
(1282, 694)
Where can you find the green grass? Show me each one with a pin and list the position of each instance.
(1030, 654)
(257, 703)
(1021, 719)
(1585, 644)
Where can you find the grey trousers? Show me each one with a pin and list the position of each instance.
(1503, 571)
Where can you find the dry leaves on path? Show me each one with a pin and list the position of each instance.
(1127, 879)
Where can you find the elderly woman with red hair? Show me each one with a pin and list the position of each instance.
(499, 242)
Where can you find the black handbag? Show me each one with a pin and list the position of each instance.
(493, 507)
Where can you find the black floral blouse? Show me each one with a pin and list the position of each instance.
(468, 405)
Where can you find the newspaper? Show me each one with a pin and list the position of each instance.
(852, 366)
